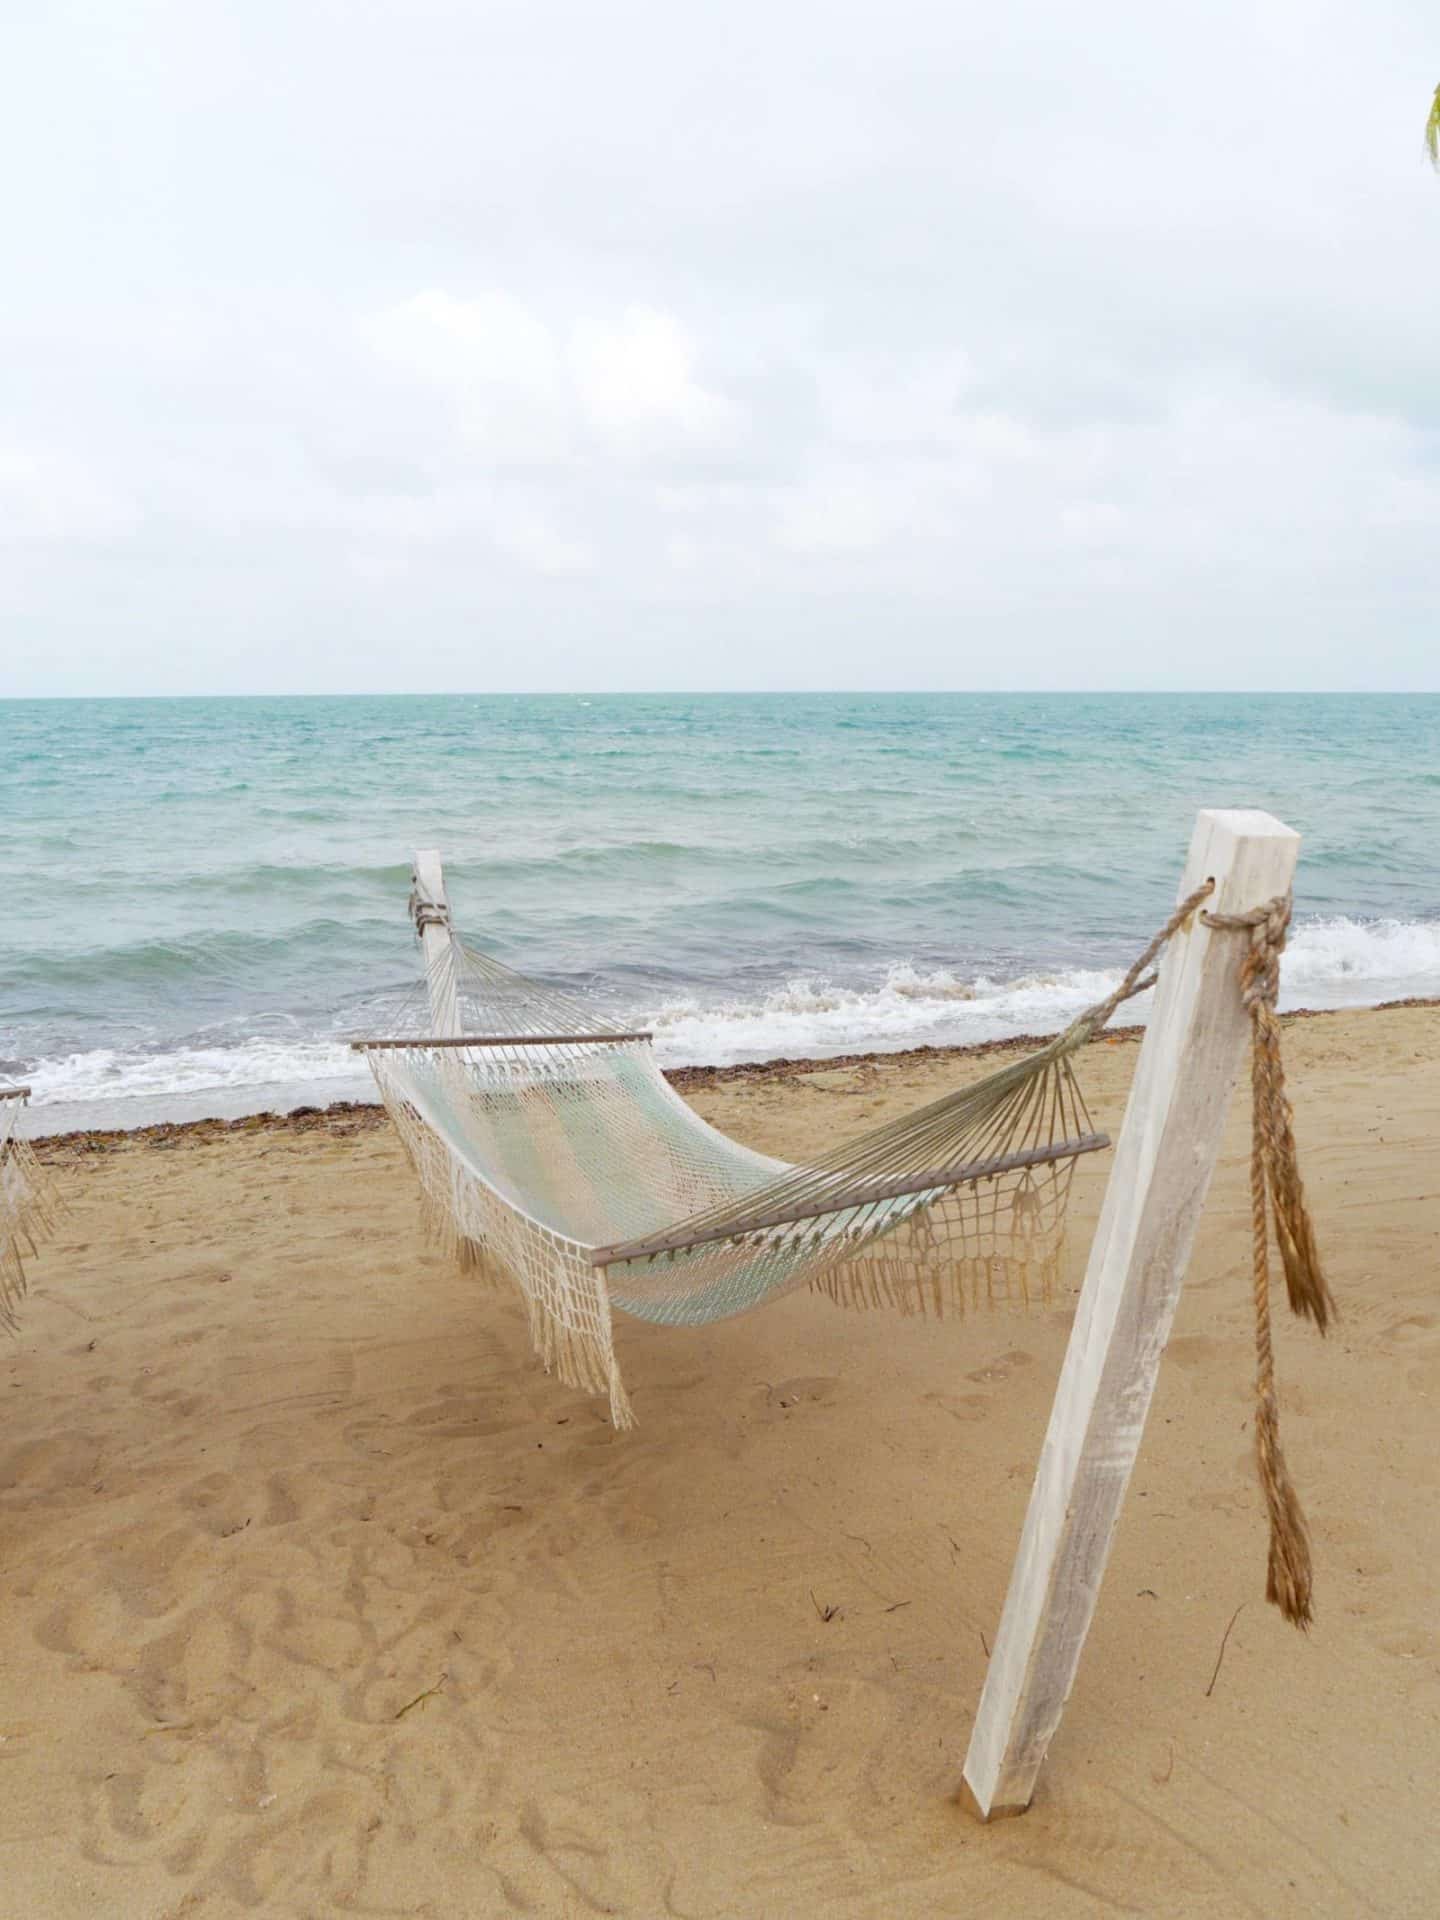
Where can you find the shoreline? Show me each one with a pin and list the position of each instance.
(349, 1116)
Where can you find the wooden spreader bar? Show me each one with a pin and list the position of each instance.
(841, 1202)
(494, 1040)
(14, 1093)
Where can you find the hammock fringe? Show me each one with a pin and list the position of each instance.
(948, 1291)
(441, 1230)
(29, 1208)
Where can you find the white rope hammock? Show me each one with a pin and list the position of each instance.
(552, 1150)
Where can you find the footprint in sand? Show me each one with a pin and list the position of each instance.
(960, 1406)
(579, 1858)
(1001, 1367)
(217, 1504)
(1412, 1643)
(40, 1468)
(1413, 1329)
(813, 1389)
(1192, 1350)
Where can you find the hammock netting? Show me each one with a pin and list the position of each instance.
(27, 1210)
(552, 1151)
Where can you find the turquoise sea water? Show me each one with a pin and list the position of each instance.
(200, 896)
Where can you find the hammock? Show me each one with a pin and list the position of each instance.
(551, 1150)
(27, 1211)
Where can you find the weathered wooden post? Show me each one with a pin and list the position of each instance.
(1163, 1163)
(435, 939)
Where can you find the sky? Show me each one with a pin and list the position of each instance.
(414, 345)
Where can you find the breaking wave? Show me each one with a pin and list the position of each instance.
(1330, 963)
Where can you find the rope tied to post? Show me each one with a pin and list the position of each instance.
(1276, 1193)
(427, 913)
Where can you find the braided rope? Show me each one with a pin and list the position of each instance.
(1276, 1192)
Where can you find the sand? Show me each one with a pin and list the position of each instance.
(318, 1597)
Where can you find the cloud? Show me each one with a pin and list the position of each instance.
(935, 347)
(636, 382)
(880, 504)
(527, 389)
(493, 358)
(57, 497)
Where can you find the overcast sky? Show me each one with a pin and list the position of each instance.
(427, 344)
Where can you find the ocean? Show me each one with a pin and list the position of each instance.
(200, 898)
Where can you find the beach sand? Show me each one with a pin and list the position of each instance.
(319, 1597)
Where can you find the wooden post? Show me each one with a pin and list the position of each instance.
(440, 972)
(429, 880)
(1163, 1163)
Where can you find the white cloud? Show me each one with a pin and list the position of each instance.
(51, 496)
(498, 362)
(636, 382)
(879, 505)
(881, 399)
(929, 322)
(1093, 523)
(529, 389)
(526, 534)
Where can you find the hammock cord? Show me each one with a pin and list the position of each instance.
(1021, 1106)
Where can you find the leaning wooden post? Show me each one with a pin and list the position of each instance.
(435, 937)
(1163, 1163)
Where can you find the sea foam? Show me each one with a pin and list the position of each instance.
(1330, 963)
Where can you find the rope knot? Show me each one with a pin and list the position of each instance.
(427, 913)
(1268, 926)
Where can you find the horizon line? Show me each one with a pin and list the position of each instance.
(750, 693)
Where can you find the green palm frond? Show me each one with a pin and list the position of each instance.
(1432, 132)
